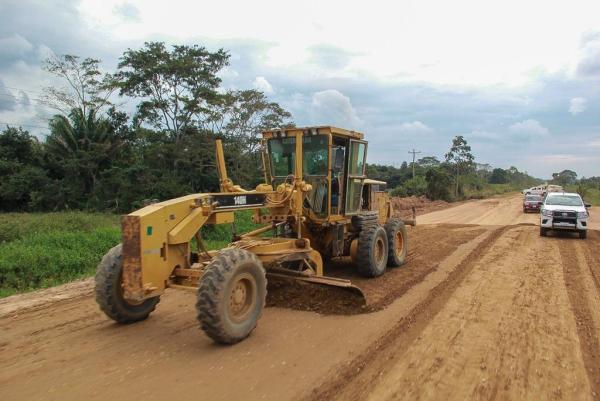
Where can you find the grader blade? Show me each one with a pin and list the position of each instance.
(322, 280)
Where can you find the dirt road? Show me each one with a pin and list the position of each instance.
(484, 309)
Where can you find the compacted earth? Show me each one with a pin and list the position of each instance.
(484, 309)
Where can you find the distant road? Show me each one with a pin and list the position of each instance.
(494, 211)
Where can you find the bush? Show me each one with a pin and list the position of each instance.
(438, 183)
(40, 250)
(53, 257)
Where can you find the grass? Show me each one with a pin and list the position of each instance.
(39, 250)
(589, 194)
(592, 195)
(488, 190)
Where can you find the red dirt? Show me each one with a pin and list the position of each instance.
(484, 309)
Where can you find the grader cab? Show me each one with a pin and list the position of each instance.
(316, 204)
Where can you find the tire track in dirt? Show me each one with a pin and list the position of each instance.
(593, 257)
(349, 382)
(381, 291)
(45, 298)
(589, 341)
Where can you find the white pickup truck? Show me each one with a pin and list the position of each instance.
(564, 211)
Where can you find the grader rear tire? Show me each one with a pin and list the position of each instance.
(109, 294)
(372, 254)
(397, 242)
(231, 296)
(365, 219)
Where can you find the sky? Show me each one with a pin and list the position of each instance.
(520, 80)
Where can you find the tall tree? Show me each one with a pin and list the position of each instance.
(23, 180)
(244, 115)
(460, 157)
(248, 112)
(178, 86)
(565, 177)
(499, 176)
(428, 161)
(80, 147)
(85, 87)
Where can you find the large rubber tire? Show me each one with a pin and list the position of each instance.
(543, 232)
(231, 296)
(372, 253)
(365, 219)
(583, 234)
(109, 294)
(397, 242)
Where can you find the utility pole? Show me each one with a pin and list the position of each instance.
(414, 153)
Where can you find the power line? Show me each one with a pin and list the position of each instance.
(414, 153)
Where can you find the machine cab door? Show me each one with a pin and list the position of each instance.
(356, 175)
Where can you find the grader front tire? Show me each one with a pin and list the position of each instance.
(231, 296)
(109, 294)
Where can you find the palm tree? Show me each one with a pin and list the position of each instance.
(81, 147)
(79, 132)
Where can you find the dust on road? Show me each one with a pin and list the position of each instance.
(484, 309)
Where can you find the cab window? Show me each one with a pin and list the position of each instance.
(282, 152)
(356, 172)
(315, 149)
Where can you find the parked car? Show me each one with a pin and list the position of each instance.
(535, 190)
(564, 211)
(554, 188)
(532, 202)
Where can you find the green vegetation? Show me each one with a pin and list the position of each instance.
(458, 177)
(95, 157)
(42, 250)
(39, 250)
(588, 188)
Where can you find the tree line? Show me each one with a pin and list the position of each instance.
(97, 157)
(457, 176)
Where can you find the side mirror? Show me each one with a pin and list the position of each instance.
(588, 205)
(338, 163)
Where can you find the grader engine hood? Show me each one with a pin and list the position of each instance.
(156, 238)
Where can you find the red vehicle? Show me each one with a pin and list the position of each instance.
(532, 202)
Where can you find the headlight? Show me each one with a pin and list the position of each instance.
(547, 213)
(582, 215)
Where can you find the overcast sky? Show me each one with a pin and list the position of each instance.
(519, 79)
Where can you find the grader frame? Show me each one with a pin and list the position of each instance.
(307, 221)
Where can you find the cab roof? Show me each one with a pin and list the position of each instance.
(314, 130)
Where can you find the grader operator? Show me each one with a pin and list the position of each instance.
(316, 204)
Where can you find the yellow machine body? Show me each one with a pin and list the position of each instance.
(315, 209)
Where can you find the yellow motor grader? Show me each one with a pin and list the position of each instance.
(316, 204)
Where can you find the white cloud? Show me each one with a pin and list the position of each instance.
(127, 11)
(333, 107)
(528, 128)
(577, 105)
(415, 127)
(13, 46)
(484, 135)
(589, 59)
(451, 52)
(263, 85)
